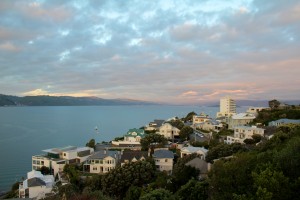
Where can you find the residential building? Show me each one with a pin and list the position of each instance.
(201, 165)
(190, 150)
(36, 186)
(244, 132)
(132, 137)
(200, 118)
(102, 161)
(255, 110)
(163, 160)
(283, 121)
(209, 125)
(168, 131)
(133, 156)
(154, 125)
(57, 158)
(240, 119)
(227, 107)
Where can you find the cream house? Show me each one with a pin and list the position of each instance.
(200, 118)
(57, 158)
(209, 125)
(190, 150)
(243, 132)
(240, 119)
(133, 156)
(101, 162)
(163, 160)
(168, 131)
(36, 186)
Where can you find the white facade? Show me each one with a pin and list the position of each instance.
(244, 132)
(200, 118)
(36, 185)
(163, 160)
(240, 119)
(168, 131)
(190, 150)
(102, 162)
(227, 107)
(57, 158)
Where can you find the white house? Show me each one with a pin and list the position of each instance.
(240, 119)
(244, 132)
(154, 125)
(132, 137)
(101, 162)
(209, 125)
(190, 150)
(255, 110)
(163, 160)
(36, 186)
(57, 158)
(168, 131)
(200, 118)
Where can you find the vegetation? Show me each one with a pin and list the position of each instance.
(266, 116)
(177, 123)
(91, 144)
(185, 132)
(153, 139)
(189, 117)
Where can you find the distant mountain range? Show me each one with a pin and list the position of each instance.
(7, 100)
(256, 103)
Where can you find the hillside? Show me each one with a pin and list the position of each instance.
(7, 100)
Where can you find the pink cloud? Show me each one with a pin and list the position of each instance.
(7, 46)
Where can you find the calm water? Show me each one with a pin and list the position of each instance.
(25, 131)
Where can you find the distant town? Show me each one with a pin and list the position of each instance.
(179, 158)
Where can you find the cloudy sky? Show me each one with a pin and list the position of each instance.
(165, 51)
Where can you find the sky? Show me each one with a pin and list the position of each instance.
(185, 52)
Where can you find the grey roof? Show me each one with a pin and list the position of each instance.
(286, 121)
(199, 164)
(102, 154)
(161, 153)
(129, 155)
(35, 182)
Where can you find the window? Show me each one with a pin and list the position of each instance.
(65, 154)
(97, 161)
(94, 168)
(38, 162)
(34, 162)
(166, 160)
(42, 162)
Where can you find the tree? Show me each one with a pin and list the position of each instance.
(117, 181)
(249, 141)
(193, 190)
(189, 116)
(133, 193)
(177, 123)
(45, 170)
(185, 132)
(154, 139)
(256, 138)
(273, 104)
(91, 144)
(158, 194)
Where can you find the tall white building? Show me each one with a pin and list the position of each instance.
(227, 107)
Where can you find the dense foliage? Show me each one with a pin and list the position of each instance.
(177, 123)
(266, 116)
(152, 139)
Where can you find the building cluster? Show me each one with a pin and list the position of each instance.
(104, 158)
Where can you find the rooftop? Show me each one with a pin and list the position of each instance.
(161, 153)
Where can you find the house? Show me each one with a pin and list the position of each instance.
(168, 131)
(57, 158)
(101, 162)
(190, 150)
(200, 118)
(163, 160)
(255, 110)
(133, 156)
(201, 165)
(209, 125)
(280, 122)
(240, 119)
(154, 125)
(132, 137)
(244, 132)
(36, 186)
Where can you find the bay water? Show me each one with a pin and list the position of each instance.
(26, 131)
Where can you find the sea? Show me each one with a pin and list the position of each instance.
(26, 131)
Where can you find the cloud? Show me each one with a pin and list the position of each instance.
(170, 51)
